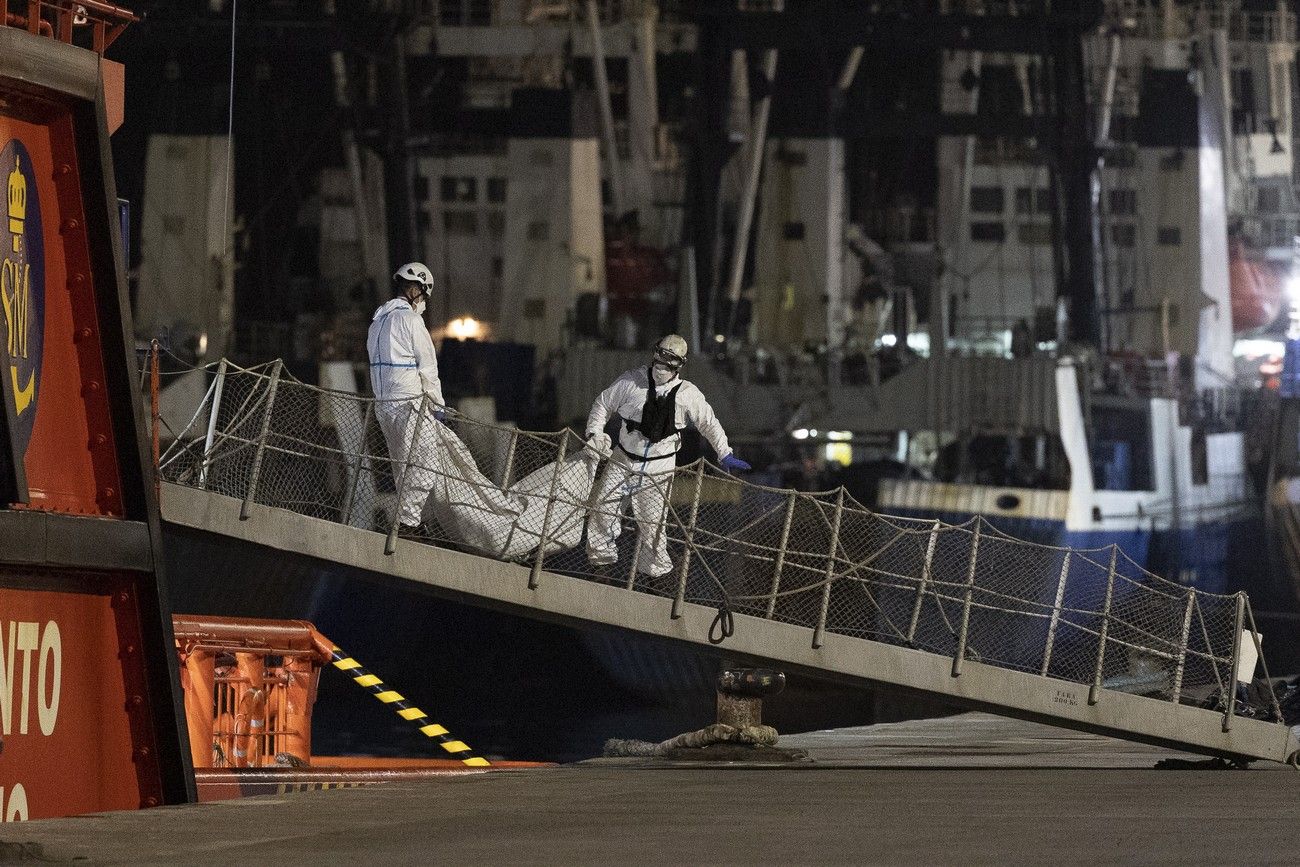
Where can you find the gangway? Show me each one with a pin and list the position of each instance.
(813, 582)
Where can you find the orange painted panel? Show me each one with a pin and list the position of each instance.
(57, 372)
(114, 77)
(63, 707)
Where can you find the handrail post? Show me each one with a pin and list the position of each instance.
(780, 554)
(819, 633)
(390, 544)
(1236, 661)
(688, 538)
(1056, 614)
(155, 419)
(1181, 665)
(960, 655)
(351, 499)
(510, 458)
(1094, 691)
(536, 572)
(926, 566)
(1259, 653)
(213, 412)
(246, 509)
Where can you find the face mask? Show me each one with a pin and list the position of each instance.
(662, 373)
(419, 307)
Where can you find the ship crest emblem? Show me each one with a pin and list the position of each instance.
(22, 286)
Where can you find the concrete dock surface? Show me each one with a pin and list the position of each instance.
(969, 789)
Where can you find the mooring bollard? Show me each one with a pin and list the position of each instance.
(741, 692)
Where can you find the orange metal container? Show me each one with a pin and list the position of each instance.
(249, 687)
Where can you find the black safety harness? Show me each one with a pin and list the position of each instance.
(658, 419)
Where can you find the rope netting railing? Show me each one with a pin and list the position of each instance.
(700, 535)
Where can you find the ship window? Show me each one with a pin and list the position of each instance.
(1121, 449)
(421, 188)
(1034, 461)
(1243, 89)
(1169, 236)
(1268, 200)
(496, 224)
(460, 222)
(1121, 158)
(1200, 457)
(793, 231)
(1033, 201)
(1000, 93)
(1167, 110)
(454, 13)
(1123, 201)
(994, 233)
(496, 190)
(792, 157)
(539, 230)
(1123, 235)
(498, 267)
(1034, 233)
(987, 200)
(458, 189)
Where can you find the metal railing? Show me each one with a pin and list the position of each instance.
(1151, 22)
(817, 560)
(66, 20)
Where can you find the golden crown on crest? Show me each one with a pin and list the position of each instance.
(17, 202)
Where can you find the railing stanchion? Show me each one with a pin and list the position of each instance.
(780, 554)
(926, 566)
(155, 421)
(213, 412)
(1237, 620)
(510, 458)
(1056, 614)
(964, 631)
(1263, 663)
(1094, 691)
(536, 572)
(819, 633)
(362, 450)
(251, 494)
(1180, 666)
(403, 476)
(688, 538)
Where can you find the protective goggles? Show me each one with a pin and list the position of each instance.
(668, 359)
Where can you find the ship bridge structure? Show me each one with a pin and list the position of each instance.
(811, 582)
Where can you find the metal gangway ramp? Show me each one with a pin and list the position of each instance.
(1084, 639)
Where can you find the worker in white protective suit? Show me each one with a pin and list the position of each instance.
(403, 370)
(654, 405)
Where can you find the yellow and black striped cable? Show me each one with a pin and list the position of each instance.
(363, 678)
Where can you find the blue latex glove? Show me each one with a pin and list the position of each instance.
(440, 414)
(734, 464)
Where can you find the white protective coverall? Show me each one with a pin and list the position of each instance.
(403, 368)
(642, 471)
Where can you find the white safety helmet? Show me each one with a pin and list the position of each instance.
(670, 351)
(416, 272)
